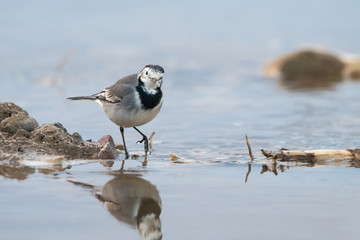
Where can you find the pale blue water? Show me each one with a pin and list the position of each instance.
(212, 54)
(198, 202)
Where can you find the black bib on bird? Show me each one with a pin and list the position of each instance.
(148, 100)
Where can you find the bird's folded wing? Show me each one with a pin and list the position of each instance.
(116, 92)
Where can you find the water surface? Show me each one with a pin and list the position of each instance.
(214, 95)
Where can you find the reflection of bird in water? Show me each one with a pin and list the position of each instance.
(132, 200)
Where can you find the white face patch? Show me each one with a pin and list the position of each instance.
(152, 79)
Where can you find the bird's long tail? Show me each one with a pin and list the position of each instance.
(93, 98)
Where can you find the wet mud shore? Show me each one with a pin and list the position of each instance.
(21, 137)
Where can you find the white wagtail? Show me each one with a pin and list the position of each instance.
(132, 101)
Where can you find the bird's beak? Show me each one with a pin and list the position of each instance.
(156, 80)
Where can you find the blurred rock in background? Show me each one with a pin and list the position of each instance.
(312, 68)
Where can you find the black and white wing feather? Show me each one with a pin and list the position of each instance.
(115, 93)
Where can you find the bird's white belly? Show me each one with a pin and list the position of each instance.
(131, 118)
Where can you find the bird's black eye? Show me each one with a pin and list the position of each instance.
(147, 73)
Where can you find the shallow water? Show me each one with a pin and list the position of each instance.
(204, 201)
(214, 96)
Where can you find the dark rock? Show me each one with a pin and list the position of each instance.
(312, 63)
(55, 139)
(51, 135)
(59, 125)
(77, 138)
(7, 109)
(308, 69)
(20, 120)
(41, 136)
(13, 118)
(107, 148)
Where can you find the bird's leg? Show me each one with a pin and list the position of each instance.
(145, 140)
(123, 138)
(122, 166)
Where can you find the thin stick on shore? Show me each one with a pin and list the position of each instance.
(248, 145)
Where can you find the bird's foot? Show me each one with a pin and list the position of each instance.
(143, 139)
(146, 144)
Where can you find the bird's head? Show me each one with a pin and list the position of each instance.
(152, 76)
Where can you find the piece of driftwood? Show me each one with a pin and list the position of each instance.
(319, 156)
